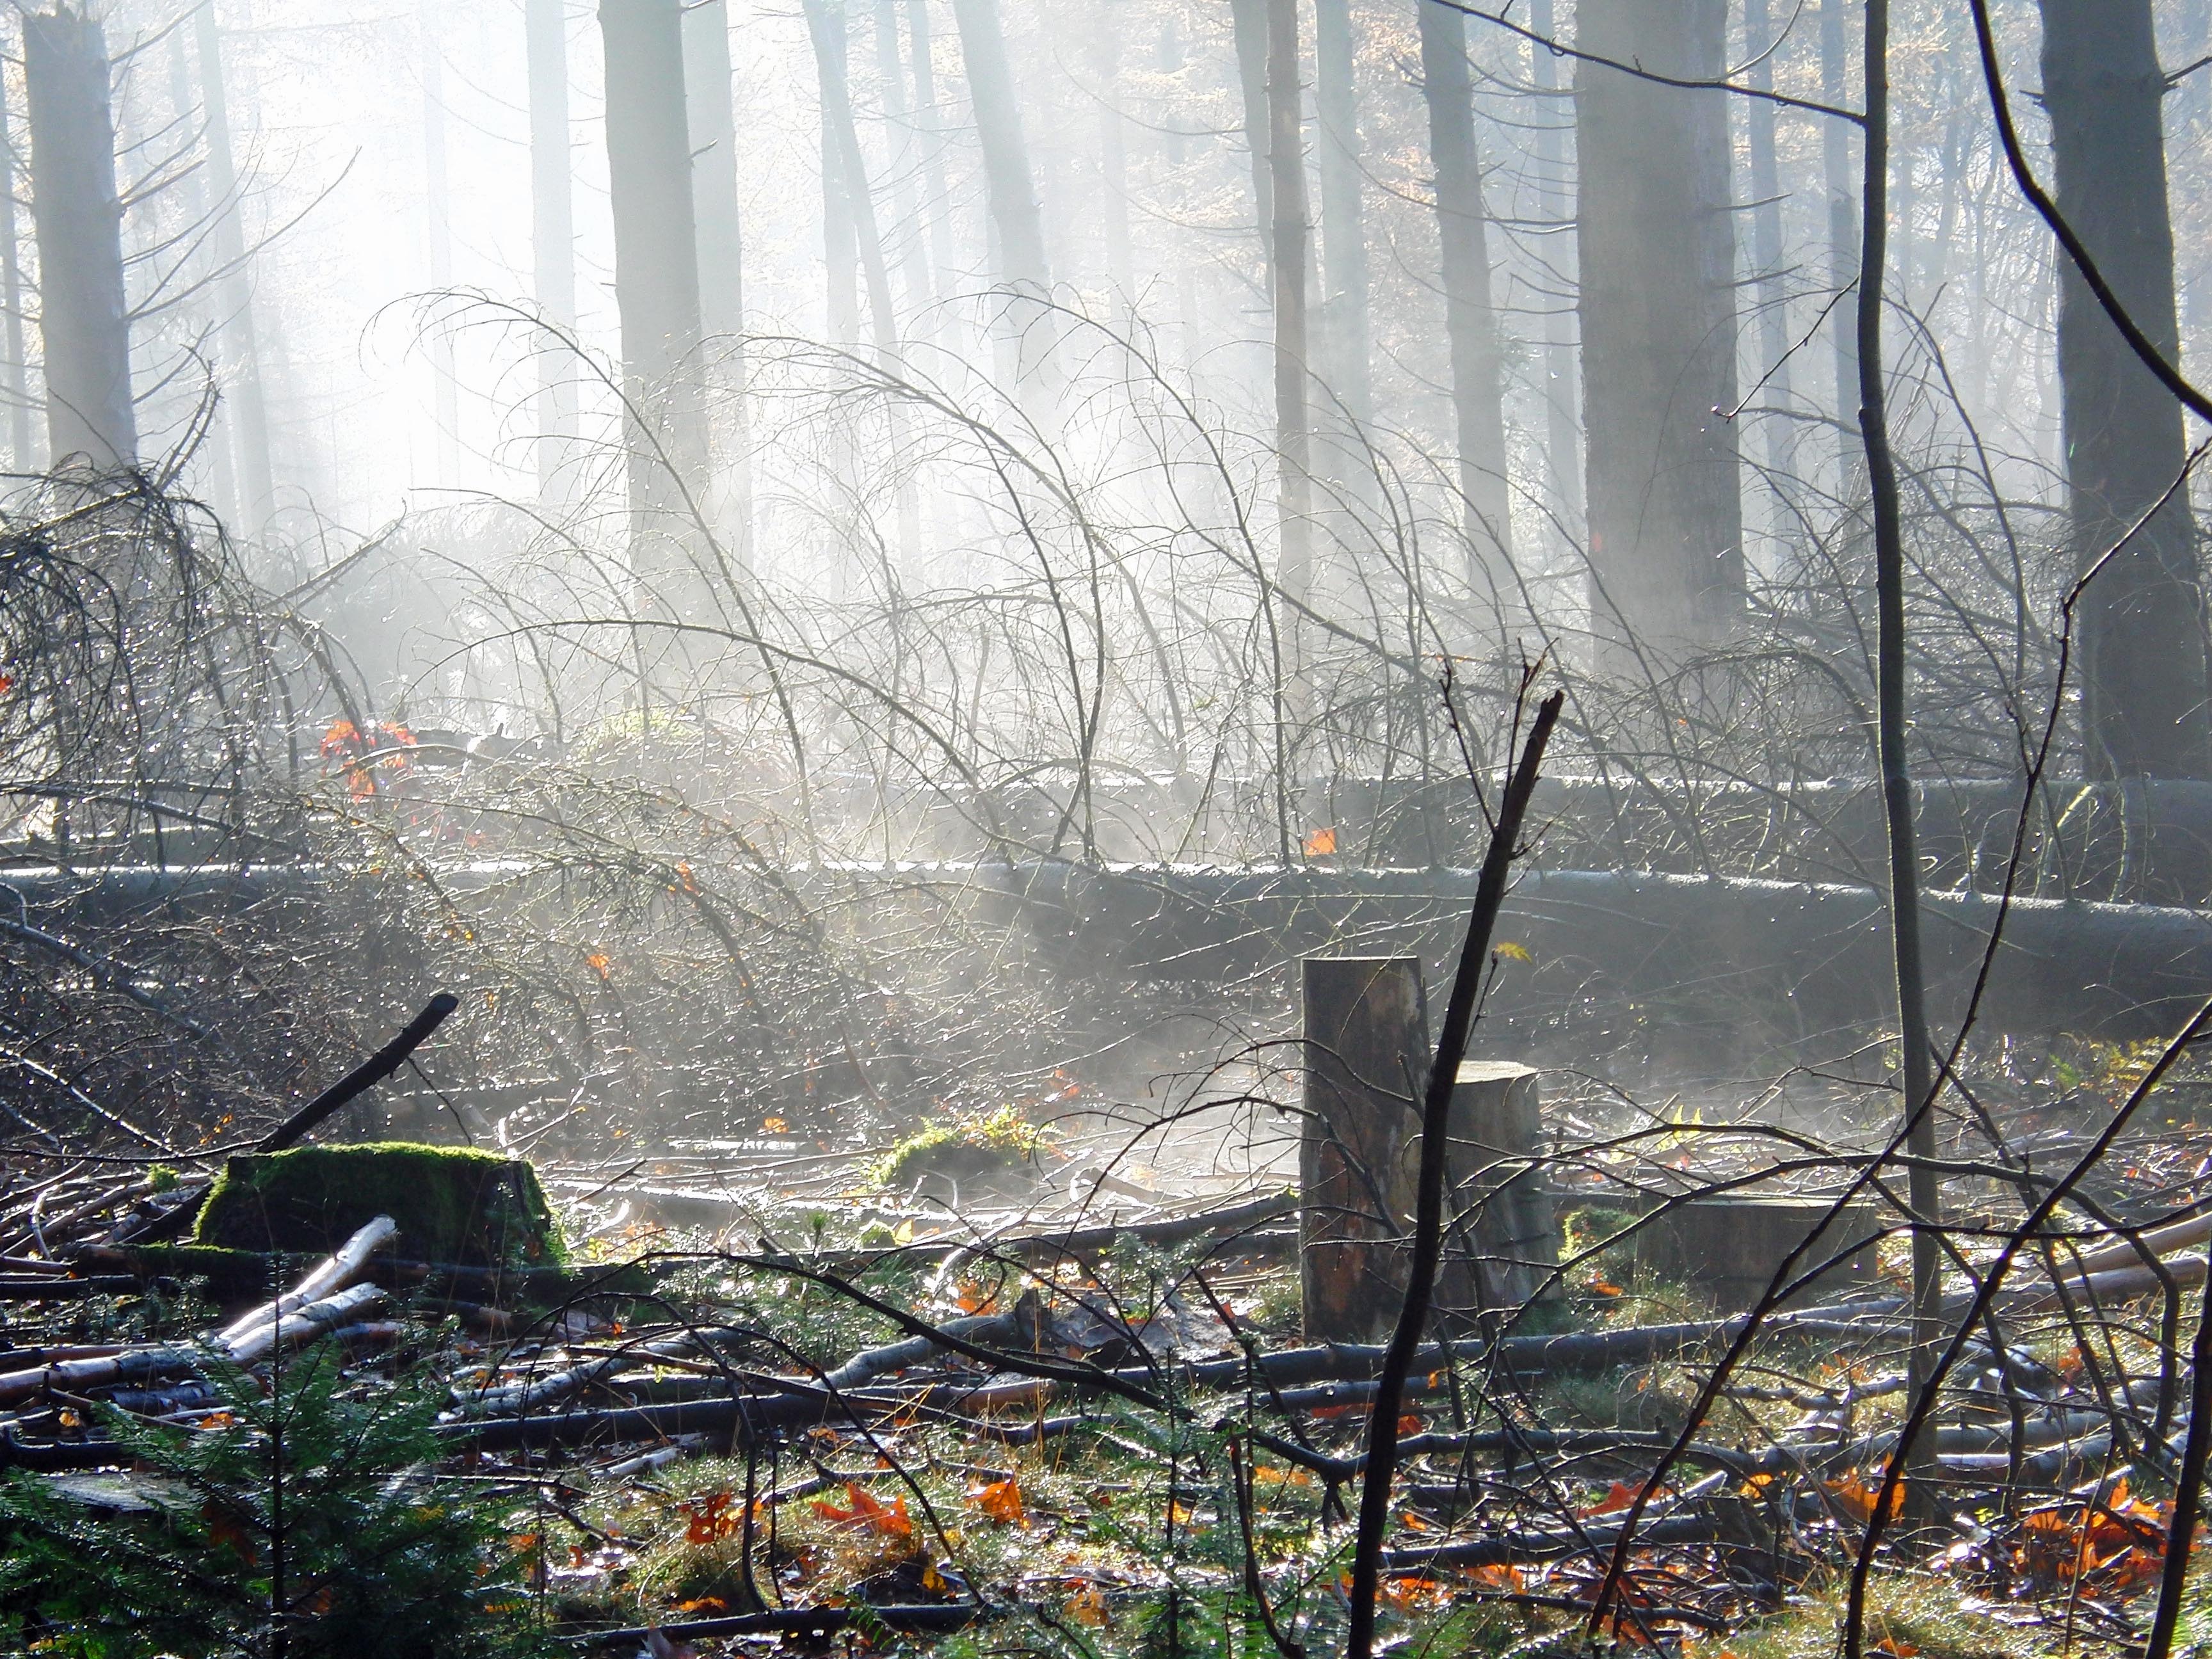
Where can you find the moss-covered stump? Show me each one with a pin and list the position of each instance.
(453, 1203)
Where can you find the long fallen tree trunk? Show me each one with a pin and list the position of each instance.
(1695, 951)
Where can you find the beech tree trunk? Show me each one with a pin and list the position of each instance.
(1766, 274)
(1563, 431)
(248, 403)
(1470, 321)
(847, 171)
(1287, 173)
(1657, 249)
(83, 316)
(713, 121)
(891, 81)
(552, 232)
(656, 275)
(2143, 684)
(1010, 186)
(1344, 231)
(1843, 235)
(22, 448)
(437, 198)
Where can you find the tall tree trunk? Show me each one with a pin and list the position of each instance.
(826, 25)
(656, 283)
(22, 452)
(841, 237)
(1563, 431)
(1657, 249)
(711, 114)
(1249, 27)
(437, 199)
(1010, 186)
(552, 234)
(891, 77)
(1344, 232)
(1843, 230)
(1287, 173)
(929, 122)
(714, 127)
(84, 317)
(184, 110)
(1760, 44)
(248, 403)
(1470, 320)
(1112, 154)
(2144, 656)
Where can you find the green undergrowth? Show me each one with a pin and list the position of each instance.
(977, 1146)
(1914, 1614)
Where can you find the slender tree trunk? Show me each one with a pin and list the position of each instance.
(929, 122)
(1563, 430)
(437, 198)
(1470, 321)
(184, 109)
(1010, 186)
(826, 27)
(22, 452)
(1287, 172)
(1344, 232)
(1657, 252)
(2142, 639)
(898, 121)
(1107, 23)
(1917, 1072)
(1767, 278)
(711, 115)
(713, 121)
(248, 403)
(841, 241)
(656, 284)
(552, 235)
(1842, 226)
(1248, 26)
(84, 317)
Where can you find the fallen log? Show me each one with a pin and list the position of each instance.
(818, 1622)
(340, 1268)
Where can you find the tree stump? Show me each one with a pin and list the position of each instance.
(1503, 1253)
(1731, 1245)
(1366, 1048)
(453, 1203)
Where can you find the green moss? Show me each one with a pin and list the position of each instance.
(976, 1147)
(453, 1203)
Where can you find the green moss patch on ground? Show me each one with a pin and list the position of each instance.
(453, 1203)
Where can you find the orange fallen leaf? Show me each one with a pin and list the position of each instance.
(1001, 1500)
(1321, 843)
(1087, 1606)
(867, 1513)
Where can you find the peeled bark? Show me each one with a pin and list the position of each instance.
(1470, 320)
(83, 316)
(2143, 684)
(248, 406)
(656, 271)
(552, 230)
(1658, 314)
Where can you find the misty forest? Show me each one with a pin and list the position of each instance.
(1151, 829)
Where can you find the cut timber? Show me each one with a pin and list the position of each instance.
(1510, 1243)
(1731, 1244)
(1366, 1047)
(452, 1204)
